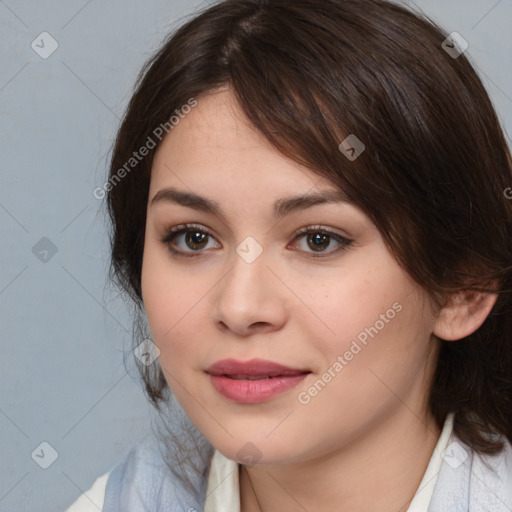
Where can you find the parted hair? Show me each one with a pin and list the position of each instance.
(433, 176)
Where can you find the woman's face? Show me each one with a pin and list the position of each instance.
(333, 306)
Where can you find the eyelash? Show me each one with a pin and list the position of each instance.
(172, 233)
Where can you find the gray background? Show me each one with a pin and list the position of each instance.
(63, 329)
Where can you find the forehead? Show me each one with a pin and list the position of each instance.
(215, 147)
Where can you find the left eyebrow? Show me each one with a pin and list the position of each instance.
(281, 207)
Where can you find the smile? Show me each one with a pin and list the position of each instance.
(253, 381)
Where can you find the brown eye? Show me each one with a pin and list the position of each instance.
(318, 240)
(196, 239)
(186, 240)
(191, 241)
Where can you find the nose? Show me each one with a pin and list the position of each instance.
(250, 298)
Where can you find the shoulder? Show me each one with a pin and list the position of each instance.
(93, 499)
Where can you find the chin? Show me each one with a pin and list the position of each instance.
(255, 450)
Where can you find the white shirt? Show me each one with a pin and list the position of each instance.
(223, 490)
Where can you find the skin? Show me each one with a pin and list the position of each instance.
(363, 442)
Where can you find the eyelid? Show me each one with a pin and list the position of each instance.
(171, 233)
(343, 241)
(318, 228)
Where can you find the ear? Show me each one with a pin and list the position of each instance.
(463, 313)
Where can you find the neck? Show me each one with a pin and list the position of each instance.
(380, 470)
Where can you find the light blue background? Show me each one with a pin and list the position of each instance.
(63, 329)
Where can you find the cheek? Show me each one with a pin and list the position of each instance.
(375, 317)
(172, 302)
(370, 362)
(344, 305)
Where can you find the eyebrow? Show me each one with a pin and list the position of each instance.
(281, 207)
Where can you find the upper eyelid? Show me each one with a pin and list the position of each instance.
(300, 231)
(171, 233)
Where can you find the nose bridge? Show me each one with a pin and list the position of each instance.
(249, 293)
(248, 275)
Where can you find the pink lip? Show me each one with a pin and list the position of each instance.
(275, 379)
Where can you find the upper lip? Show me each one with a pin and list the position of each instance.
(253, 367)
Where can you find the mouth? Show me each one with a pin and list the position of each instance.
(259, 377)
(253, 370)
(253, 381)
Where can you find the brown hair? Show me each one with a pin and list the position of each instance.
(432, 177)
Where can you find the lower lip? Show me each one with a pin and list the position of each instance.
(254, 391)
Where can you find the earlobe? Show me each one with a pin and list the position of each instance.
(464, 312)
